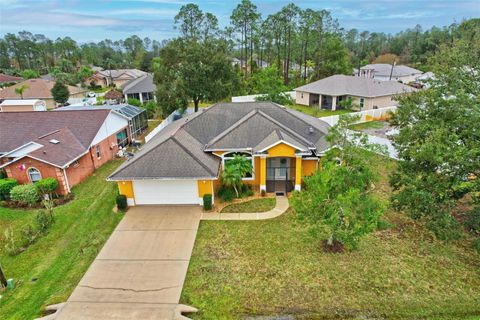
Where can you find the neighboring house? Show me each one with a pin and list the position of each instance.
(39, 89)
(22, 105)
(67, 146)
(260, 64)
(387, 72)
(141, 88)
(137, 117)
(184, 161)
(118, 77)
(7, 80)
(366, 93)
(48, 77)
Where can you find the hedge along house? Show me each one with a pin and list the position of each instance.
(67, 146)
(184, 161)
(137, 117)
(365, 93)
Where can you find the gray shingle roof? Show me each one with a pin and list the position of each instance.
(139, 85)
(339, 85)
(384, 69)
(179, 150)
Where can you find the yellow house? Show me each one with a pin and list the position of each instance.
(184, 161)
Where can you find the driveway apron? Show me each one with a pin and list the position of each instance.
(139, 273)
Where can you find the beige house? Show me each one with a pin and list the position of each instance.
(39, 89)
(116, 78)
(23, 105)
(387, 72)
(364, 93)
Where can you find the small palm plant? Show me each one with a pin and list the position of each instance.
(236, 169)
(20, 90)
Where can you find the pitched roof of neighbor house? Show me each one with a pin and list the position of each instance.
(75, 131)
(9, 78)
(139, 85)
(182, 150)
(35, 89)
(122, 73)
(114, 94)
(384, 69)
(339, 85)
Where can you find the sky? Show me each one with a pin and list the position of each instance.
(95, 20)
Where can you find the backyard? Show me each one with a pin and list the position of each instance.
(47, 271)
(315, 111)
(273, 267)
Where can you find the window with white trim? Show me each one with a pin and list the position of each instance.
(229, 156)
(97, 151)
(34, 175)
(362, 102)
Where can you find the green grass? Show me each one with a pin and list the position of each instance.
(273, 267)
(255, 205)
(59, 259)
(368, 125)
(315, 111)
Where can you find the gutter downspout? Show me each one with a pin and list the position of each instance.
(66, 180)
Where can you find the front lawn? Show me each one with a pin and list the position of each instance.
(315, 111)
(273, 267)
(255, 205)
(59, 259)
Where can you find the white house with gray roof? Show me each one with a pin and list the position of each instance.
(364, 93)
(388, 72)
(141, 88)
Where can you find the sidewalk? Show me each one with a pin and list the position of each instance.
(280, 207)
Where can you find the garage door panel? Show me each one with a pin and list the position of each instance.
(165, 192)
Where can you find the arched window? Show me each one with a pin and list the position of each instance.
(34, 175)
(231, 155)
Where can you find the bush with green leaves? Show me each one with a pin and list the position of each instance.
(134, 102)
(476, 244)
(25, 194)
(473, 221)
(44, 220)
(6, 186)
(226, 193)
(207, 201)
(234, 171)
(121, 202)
(47, 185)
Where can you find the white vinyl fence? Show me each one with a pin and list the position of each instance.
(365, 116)
(167, 121)
(251, 98)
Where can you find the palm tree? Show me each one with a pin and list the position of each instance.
(20, 90)
(236, 169)
(231, 177)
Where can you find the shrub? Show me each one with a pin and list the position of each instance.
(121, 202)
(246, 191)
(134, 102)
(10, 242)
(263, 193)
(444, 226)
(3, 175)
(207, 201)
(25, 194)
(6, 186)
(226, 193)
(47, 185)
(44, 220)
(473, 221)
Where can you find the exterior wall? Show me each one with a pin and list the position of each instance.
(126, 188)
(112, 124)
(281, 150)
(303, 101)
(255, 182)
(46, 170)
(309, 167)
(380, 102)
(205, 187)
(16, 108)
(108, 149)
(77, 173)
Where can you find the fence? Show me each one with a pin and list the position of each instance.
(172, 117)
(365, 116)
(251, 98)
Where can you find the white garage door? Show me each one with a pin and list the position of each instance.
(165, 192)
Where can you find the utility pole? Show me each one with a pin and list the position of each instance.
(391, 70)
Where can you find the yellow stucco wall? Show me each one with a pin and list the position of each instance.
(309, 167)
(204, 187)
(281, 150)
(256, 169)
(126, 188)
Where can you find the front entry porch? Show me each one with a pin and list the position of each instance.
(280, 175)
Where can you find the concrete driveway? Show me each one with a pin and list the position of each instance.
(139, 273)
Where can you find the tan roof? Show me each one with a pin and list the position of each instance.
(339, 85)
(9, 78)
(36, 89)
